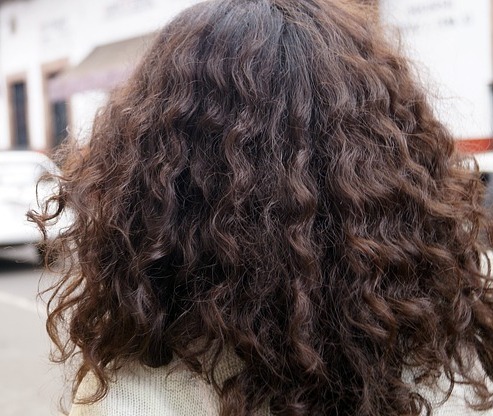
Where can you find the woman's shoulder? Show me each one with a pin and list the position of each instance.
(138, 390)
(456, 404)
(458, 400)
(174, 390)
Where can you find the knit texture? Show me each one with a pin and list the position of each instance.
(144, 391)
(151, 392)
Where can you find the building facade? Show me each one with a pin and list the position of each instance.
(450, 44)
(59, 57)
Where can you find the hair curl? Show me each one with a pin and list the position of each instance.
(271, 179)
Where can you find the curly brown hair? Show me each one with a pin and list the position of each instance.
(272, 180)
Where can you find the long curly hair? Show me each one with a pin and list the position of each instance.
(272, 181)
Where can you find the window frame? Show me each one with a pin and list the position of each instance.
(48, 70)
(11, 80)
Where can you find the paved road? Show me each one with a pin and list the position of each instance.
(29, 384)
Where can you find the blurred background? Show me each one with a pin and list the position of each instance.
(58, 60)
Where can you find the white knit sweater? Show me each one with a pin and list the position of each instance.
(143, 391)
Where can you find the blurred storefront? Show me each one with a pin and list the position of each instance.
(58, 58)
(450, 42)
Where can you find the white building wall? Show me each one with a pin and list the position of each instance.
(450, 41)
(37, 32)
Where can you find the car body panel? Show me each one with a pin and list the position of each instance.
(20, 172)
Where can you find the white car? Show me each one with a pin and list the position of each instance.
(19, 174)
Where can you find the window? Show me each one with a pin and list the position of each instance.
(18, 110)
(58, 121)
(56, 109)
